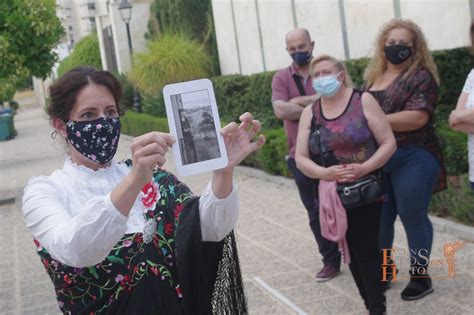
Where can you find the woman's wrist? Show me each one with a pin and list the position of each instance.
(136, 179)
(222, 182)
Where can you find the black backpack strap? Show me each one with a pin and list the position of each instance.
(298, 84)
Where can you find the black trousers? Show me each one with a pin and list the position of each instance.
(309, 196)
(366, 259)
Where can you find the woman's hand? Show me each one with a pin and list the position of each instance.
(455, 117)
(338, 173)
(344, 173)
(148, 152)
(238, 139)
(358, 171)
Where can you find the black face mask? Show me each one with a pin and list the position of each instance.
(302, 58)
(397, 54)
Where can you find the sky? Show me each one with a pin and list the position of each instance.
(196, 98)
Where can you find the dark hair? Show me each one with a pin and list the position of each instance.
(63, 93)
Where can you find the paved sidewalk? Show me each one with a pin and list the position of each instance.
(278, 254)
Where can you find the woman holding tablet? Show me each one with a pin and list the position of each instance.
(130, 237)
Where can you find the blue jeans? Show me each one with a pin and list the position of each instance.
(308, 190)
(409, 179)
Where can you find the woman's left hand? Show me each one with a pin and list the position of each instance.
(355, 171)
(238, 139)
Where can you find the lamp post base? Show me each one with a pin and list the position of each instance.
(137, 101)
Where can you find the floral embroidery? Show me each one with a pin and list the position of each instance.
(151, 194)
(129, 260)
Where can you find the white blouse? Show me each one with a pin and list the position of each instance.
(70, 213)
(469, 88)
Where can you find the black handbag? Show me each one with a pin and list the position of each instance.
(364, 191)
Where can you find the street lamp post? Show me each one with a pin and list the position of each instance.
(125, 9)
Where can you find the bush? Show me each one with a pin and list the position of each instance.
(85, 53)
(236, 94)
(8, 87)
(170, 59)
(356, 68)
(135, 124)
(272, 155)
(14, 106)
(154, 105)
(126, 103)
(454, 146)
(453, 66)
(190, 17)
(458, 194)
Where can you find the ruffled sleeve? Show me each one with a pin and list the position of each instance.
(79, 241)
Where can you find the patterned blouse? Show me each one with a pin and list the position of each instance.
(344, 139)
(167, 269)
(418, 91)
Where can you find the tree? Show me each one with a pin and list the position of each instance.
(29, 30)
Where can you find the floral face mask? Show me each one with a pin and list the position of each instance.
(97, 140)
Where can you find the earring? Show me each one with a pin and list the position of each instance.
(54, 134)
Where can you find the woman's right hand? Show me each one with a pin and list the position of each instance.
(148, 152)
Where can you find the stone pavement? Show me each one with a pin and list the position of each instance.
(278, 254)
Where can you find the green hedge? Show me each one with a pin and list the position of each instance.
(458, 194)
(271, 157)
(453, 65)
(135, 124)
(236, 94)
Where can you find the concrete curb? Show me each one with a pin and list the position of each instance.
(459, 230)
(440, 225)
(7, 197)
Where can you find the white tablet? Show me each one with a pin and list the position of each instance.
(194, 122)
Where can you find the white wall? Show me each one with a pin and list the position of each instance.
(138, 28)
(257, 42)
(274, 23)
(364, 18)
(228, 58)
(445, 23)
(321, 19)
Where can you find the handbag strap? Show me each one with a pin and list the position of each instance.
(299, 85)
(317, 130)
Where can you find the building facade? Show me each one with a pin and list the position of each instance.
(112, 33)
(77, 18)
(251, 33)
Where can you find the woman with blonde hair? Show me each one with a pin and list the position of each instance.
(462, 118)
(403, 77)
(342, 137)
